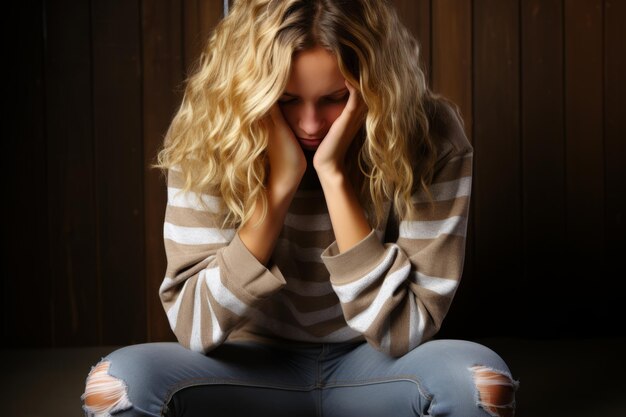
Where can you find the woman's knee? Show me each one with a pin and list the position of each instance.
(109, 381)
(104, 394)
(469, 362)
(495, 390)
(494, 385)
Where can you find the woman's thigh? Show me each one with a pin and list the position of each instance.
(166, 379)
(435, 379)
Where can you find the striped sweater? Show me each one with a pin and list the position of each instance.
(393, 289)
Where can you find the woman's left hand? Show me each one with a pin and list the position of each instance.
(329, 156)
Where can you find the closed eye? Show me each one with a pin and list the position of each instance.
(339, 99)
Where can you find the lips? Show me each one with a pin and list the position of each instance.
(310, 143)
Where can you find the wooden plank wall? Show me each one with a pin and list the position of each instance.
(94, 85)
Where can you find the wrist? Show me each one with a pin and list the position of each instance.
(331, 178)
(330, 171)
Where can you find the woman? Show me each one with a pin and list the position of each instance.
(318, 196)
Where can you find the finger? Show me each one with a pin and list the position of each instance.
(355, 101)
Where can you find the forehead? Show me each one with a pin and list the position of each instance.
(314, 72)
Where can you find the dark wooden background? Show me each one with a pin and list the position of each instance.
(91, 86)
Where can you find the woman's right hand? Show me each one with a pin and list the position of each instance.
(286, 165)
(286, 158)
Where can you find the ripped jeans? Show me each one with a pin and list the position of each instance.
(438, 378)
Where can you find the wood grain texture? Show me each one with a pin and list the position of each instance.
(117, 110)
(70, 162)
(452, 55)
(615, 131)
(451, 76)
(199, 18)
(584, 150)
(543, 152)
(162, 94)
(416, 16)
(585, 130)
(26, 283)
(497, 187)
(614, 154)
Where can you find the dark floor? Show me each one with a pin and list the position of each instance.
(558, 378)
(566, 378)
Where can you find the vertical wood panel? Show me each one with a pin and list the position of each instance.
(170, 52)
(452, 54)
(543, 154)
(199, 19)
(70, 172)
(117, 93)
(615, 144)
(162, 94)
(497, 190)
(584, 157)
(415, 15)
(451, 67)
(26, 280)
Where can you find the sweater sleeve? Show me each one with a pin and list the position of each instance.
(212, 280)
(397, 293)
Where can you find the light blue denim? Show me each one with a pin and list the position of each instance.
(329, 380)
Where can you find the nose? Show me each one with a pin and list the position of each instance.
(311, 121)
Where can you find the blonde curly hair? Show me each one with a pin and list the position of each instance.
(219, 136)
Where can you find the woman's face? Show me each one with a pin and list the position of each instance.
(314, 97)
